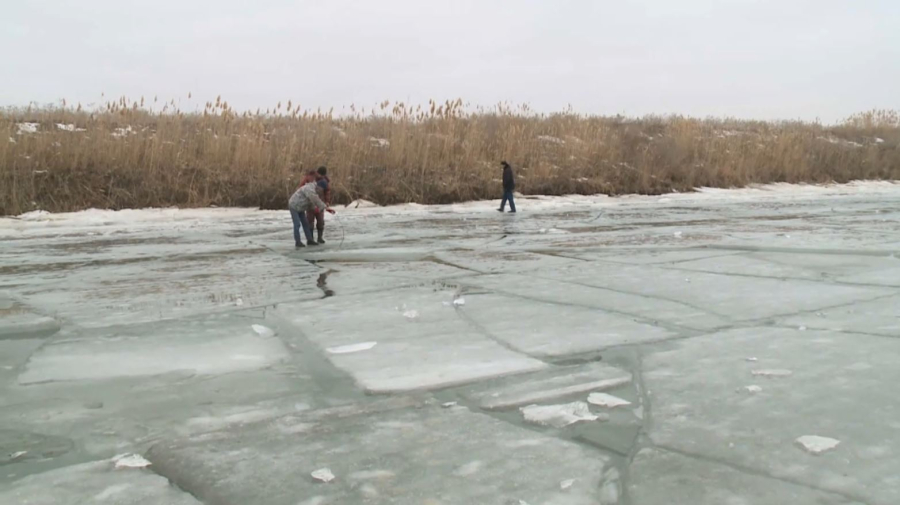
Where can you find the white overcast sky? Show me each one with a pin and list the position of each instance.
(765, 59)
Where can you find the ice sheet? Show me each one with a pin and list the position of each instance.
(121, 329)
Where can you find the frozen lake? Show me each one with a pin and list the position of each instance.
(715, 348)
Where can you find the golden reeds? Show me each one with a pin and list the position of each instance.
(130, 153)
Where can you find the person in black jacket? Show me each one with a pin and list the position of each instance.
(509, 185)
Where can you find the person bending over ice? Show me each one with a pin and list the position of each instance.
(307, 197)
(316, 217)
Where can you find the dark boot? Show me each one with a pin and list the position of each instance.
(299, 244)
(321, 240)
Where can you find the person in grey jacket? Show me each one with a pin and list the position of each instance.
(509, 185)
(307, 197)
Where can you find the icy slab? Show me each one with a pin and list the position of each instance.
(617, 260)
(97, 482)
(560, 416)
(13, 355)
(607, 400)
(549, 385)
(815, 444)
(206, 347)
(880, 317)
(666, 257)
(581, 329)
(700, 407)
(774, 373)
(25, 446)
(817, 267)
(736, 297)
(503, 261)
(435, 349)
(409, 456)
(639, 308)
(889, 276)
(19, 321)
(660, 477)
(148, 288)
(347, 349)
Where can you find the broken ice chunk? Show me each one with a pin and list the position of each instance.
(447, 405)
(459, 302)
(347, 349)
(753, 389)
(607, 400)
(16, 455)
(130, 461)
(263, 331)
(566, 484)
(772, 373)
(752, 359)
(815, 444)
(323, 475)
(559, 416)
(411, 314)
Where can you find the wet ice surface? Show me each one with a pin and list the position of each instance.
(719, 347)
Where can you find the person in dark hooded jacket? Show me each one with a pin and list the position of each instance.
(509, 185)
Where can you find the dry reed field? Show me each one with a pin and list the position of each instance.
(129, 154)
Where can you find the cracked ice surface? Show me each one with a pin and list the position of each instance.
(203, 342)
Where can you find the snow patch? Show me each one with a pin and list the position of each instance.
(607, 400)
(347, 349)
(551, 140)
(459, 301)
(411, 314)
(69, 128)
(323, 475)
(24, 128)
(123, 132)
(380, 143)
(559, 416)
(815, 444)
(263, 331)
(130, 461)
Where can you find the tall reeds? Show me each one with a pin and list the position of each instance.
(143, 153)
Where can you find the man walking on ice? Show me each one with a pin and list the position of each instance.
(308, 197)
(509, 185)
